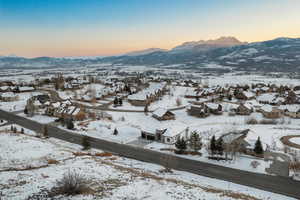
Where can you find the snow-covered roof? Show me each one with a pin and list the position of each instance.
(4, 87)
(142, 95)
(269, 97)
(290, 108)
(26, 88)
(248, 94)
(76, 111)
(267, 108)
(248, 105)
(160, 112)
(8, 94)
(213, 106)
(56, 104)
(175, 129)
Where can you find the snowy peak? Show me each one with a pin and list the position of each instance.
(203, 45)
(144, 52)
(225, 41)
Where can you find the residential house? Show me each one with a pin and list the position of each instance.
(292, 111)
(167, 134)
(198, 111)
(214, 108)
(20, 89)
(5, 88)
(8, 96)
(270, 112)
(244, 109)
(244, 95)
(163, 114)
(235, 141)
(270, 98)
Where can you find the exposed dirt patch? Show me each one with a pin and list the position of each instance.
(286, 140)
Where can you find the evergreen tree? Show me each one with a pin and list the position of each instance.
(146, 109)
(22, 130)
(11, 128)
(220, 147)
(195, 141)
(180, 145)
(213, 147)
(258, 149)
(120, 101)
(45, 131)
(85, 143)
(116, 132)
(70, 124)
(25, 111)
(116, 101)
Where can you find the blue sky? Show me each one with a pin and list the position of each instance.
(106, 27)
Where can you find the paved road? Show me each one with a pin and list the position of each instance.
(280, 185)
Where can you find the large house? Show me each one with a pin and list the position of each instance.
(270, 98)
(236, 139)
(292, 111)
(167, 134)
(244, 109)
(270, 112)
(163, 114)
(148, 95)
(214, 108)
(8, 96)
(198, 111)
(245, 95)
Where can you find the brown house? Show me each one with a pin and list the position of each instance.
(198, 111)
(214, 108)
(244, 109)
(163, 114)
(270, 112)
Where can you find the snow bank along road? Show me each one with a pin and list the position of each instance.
(276, 184)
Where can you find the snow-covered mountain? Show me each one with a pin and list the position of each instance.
(203, 45)
(145, 51)
(82, 57)
(281, 54)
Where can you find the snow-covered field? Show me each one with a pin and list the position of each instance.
(19, 104)
(44, 119)
(109, 177)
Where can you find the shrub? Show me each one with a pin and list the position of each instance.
(295, 166)
(72, 183)
(180, 145)
(45, 131)
(80, 116)
(70, 124)
(85, 143)
(268, 121)
(254, 164)
(178, 102)
(52, 161)
(116, 132)
(251, 120)
(104, 154)
(122, 119)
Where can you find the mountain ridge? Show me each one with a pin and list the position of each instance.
(279, 54)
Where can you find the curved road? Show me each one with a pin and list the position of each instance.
(275, 184)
